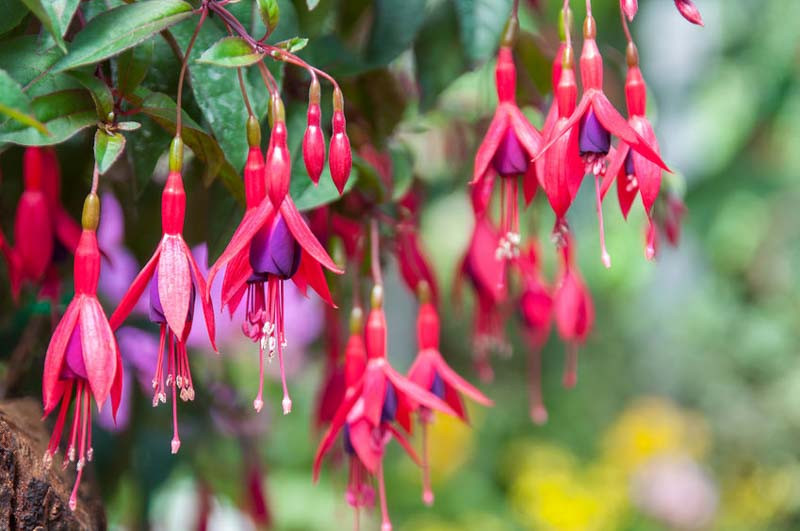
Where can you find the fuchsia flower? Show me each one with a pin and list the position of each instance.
(634, 173)
(591, 124)
(41, 225)
(82, 356)
(340, 160)
(278, 246)
(414, 265)
(689, 11)
(486, 274)
(431, 372)
(536, 308)
(373, 404)
(506, 151)
(572, 307)
(174, 279)
(314, 140)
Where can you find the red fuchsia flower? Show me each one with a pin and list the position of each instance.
(340, 159)
(279, 246)
(374, 404)
(506, 151)
(332, 389)
(573, 309)
(431, 372)
(689, 11)
(278, 165)
(536, 308)
(174, 278)
(486, 274)
(596, 120)
(634, 173)
(629, 8)
(82, 356)
(313, 140)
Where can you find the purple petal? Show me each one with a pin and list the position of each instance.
(274, 251)
(594, 138)
(74, 366)
(510, 157)
(157, 310)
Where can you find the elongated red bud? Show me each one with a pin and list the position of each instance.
(278, 164)
(505, 76)
(314, 141)
(689, 11)
(591, 60)
(375, 333)
(629, 7)
(427, 327)
(87, 255)
(255, 187)
(340, 160)
(173, 204)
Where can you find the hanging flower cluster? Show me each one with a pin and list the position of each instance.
(363, 403)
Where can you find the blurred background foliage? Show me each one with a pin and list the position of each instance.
(686, 412)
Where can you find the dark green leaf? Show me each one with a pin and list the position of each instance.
(396, 23)
(27, 60)
(482, 23)
(143, 151)
(230, 52)
(270, 14)
(107, 149)
(121, 28)
(402, 171)
(132, 66)
(55, 16)
(295, 44)
(13, 13)
(64, 113)
(101, 94)
(15, 104)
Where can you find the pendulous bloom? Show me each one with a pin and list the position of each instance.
(83, 357)
(174, 280)
(431, 372)
(314, 140)
(506, 151)
(340, 159)
(373, 404)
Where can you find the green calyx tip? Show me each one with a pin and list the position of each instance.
(376, 299)
(356, 320)
(277, 112)
(176, 154)
(90, 218)
(338, 99)
(564, 24)
(510, 32)
(423, 292)
(253, 132)
(314, 92)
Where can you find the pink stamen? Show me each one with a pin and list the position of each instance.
(158, 378)
(70, 456)
(287, 401)
(176, 440)
(538, 410)
(386, 524)
(599, 203)
(427, 491)
(258, 403)
(55, 438)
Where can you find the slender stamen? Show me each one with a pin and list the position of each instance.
(571, 366)
(386, 524)
(538, 410)
(427, 491)
(599, 204)
(258, 403)
(55, 438)
(176, 440)
(76, 414)
(73, 499)
(286, 402)
(158, 379)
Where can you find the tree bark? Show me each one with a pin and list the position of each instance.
(32, 496)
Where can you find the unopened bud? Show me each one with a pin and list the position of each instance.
(589, 27)
(253, 132)
(423, 292)
(632, 55)
(91, 212)
(376, 298)
(176, 154)
(356, 320)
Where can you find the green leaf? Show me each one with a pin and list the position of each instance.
(15, 104)
(55, 16)
(13, 13)
(230, 52)
(295, 44)
(402, 171)
(162, 109)
(482, 23)
(107, 149)
(64, 113)
(28, 59)
(121, 28)
(312, 4)
(438, 61)
(132, 67)
(101, 94)
(396, 24)
(270, 13)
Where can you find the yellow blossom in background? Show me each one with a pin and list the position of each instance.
(550, 490)
(753, 499)
(450, 444)
(653, 427)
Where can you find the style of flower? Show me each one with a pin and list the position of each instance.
(573, 309)
(594, 120)
(372, 405)
(279, 246)
(431, 372)
(506, 151)
(535, 306)
(174, 279)
(486, 275)
(82, 357)
(634, 173)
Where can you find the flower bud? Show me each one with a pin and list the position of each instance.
(340, 160)
(278, 164)
(314, 141)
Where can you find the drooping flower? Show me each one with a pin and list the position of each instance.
(313, 140)
(415, 267)
(340, 158)
(634, 173)
(486, 275)
(372, 405)
(278, 246)
(506, 151)
(689, 11)
(573, 308)
(536, 308)
(431, 372)
(629, 8)
(174, 279)
(594, 119)
(82, 357)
